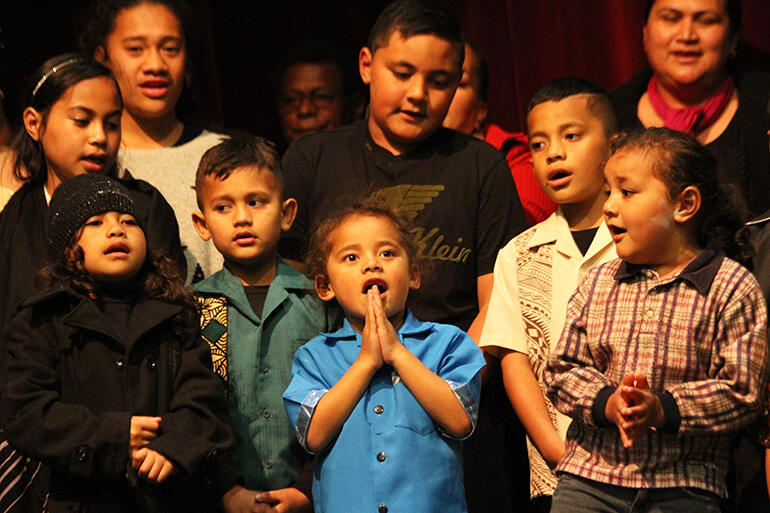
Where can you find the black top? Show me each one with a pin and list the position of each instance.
(256, 294)
(23, 240)
(584, 238)
(742, 149)
(457, 190)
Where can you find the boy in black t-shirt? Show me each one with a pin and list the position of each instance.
(457, 190)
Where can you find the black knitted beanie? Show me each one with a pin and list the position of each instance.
(76, 200)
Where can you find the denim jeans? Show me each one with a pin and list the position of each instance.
(578, 495)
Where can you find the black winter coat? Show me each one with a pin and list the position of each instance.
(69, 390)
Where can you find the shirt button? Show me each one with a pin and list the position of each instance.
(379, 409)
(381, 457)
(382, 509)
(268, 464)
(648, 314)
(263, 368)
(266, 413)
(119, 364)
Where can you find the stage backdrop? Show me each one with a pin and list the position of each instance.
(235, 52)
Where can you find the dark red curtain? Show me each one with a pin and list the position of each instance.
(235, 55)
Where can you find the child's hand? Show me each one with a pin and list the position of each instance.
(152, 465)
(371, 353)
(242, 500)
(143, 430)
(644, 409)
(286, 500)
(634, 381)
(613, 411)
(389, 342)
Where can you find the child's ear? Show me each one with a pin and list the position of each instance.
(33, 123)
(288, 213)
(415, 278)
(365, 64)
(199, 222)
(323, 288)
(687, 204)
(100, 54)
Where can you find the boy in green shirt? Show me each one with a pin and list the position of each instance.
(256, 312)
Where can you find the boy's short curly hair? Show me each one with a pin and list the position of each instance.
(373, 205)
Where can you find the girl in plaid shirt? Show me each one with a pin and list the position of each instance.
(663, 354)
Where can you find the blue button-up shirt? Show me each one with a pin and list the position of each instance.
(389, 452)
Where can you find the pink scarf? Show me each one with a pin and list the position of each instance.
(691, 120)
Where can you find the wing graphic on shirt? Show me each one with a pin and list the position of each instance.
(410, 199)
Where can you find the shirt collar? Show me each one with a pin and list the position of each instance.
(555, 230)
(547, 232)
(700, 272)
(411, 327)
(223, 283)
(289, 278)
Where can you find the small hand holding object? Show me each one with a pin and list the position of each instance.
(142, 431)
(390, 345)
(371, 353)
(152, 465)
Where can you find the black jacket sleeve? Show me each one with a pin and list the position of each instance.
(195, 432)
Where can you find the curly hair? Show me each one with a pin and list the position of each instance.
(373, 205)
(679, 161)
(159, 278)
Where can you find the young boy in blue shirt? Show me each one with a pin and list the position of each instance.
(385, 400)
(257, 311)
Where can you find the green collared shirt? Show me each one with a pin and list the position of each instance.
(259, 354)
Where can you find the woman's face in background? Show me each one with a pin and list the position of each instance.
(688, 43)
(146, 53)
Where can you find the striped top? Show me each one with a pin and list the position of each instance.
(700, 338)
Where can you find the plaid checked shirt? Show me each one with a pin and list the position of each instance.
(698, 336)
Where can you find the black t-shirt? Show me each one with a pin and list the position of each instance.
(457, 189)
(584, 238)
(256, 295)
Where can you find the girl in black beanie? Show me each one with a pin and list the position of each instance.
(105, 378)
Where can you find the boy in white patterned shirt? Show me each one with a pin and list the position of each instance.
(570, 122)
